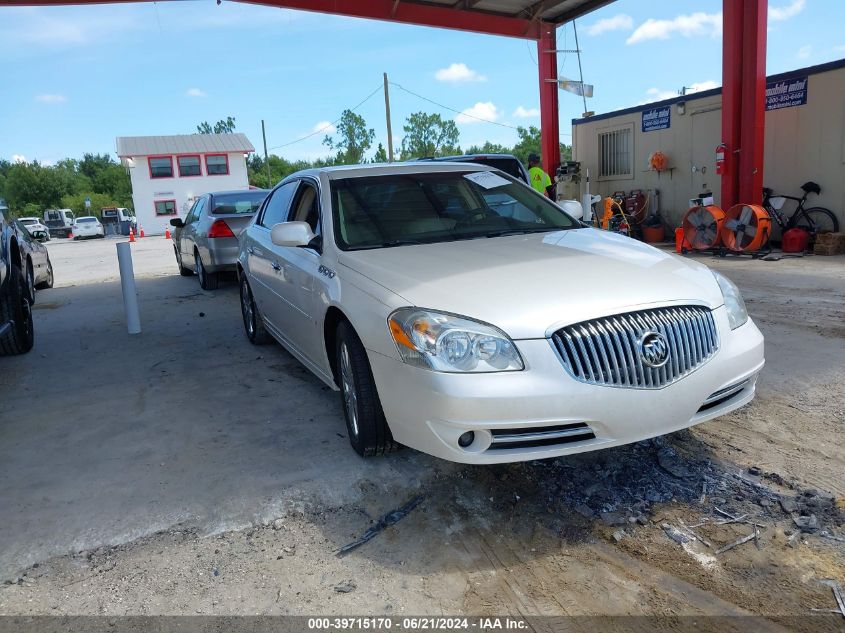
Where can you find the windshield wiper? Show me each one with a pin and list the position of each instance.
(520, 231)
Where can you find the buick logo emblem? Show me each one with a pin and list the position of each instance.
(654, 350)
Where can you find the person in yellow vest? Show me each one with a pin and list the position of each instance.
(539, 179)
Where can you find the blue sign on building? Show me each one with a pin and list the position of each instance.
(656, 119)
(786, 94)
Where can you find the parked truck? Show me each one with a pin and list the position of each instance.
(118, 220)
(16, 331)
(59, 222)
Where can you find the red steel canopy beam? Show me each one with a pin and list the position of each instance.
(549, 119)
(443, 16)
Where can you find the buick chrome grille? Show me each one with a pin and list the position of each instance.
(624, 350)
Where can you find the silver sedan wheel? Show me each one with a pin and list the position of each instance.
(350, 393)
(247, 309)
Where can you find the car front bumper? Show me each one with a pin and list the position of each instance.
(429, 411)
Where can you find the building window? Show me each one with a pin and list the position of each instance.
(161, 166)
(165, 207)
(217, 165)
(189, 166)
(616, 153)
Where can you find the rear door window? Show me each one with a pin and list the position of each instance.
(276, 209)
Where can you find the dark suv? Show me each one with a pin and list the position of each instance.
(16, 332)
(507, 163)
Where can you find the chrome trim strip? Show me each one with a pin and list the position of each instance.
(543, 435)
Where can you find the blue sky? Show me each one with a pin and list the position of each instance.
(77, 77)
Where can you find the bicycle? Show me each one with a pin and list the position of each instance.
(814, 220)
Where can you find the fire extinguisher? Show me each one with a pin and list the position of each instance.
(721, 151)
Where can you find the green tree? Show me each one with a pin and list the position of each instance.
(353, 139)
(76, 203)
(529, 143)
(429, 135)
(223, 126)
(488, 148)
(33, 183)
(381, 154)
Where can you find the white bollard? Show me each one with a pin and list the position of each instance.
(127, 284)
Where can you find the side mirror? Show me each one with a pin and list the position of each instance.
(177, 222)
(291, 234)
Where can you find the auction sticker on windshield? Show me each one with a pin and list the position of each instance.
(487, 179)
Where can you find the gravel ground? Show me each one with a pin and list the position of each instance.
(636, 530)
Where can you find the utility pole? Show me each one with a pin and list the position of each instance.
(266, 159)
(387, 114)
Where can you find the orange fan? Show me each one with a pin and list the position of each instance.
(702, 226)
(747, 228)
(658, 161)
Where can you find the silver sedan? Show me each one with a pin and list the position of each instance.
(206, 241)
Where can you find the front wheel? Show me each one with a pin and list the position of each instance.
(365, 421)
(816, 220)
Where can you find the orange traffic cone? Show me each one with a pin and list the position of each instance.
(70, 235)
(131, 235)
(167, 234)
(141, 234)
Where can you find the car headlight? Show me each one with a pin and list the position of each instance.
(451, 343)
(735, 305)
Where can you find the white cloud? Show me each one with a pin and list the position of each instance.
(324, 126)
(526, 113)
(840, 48)
(804, 52)
(18, 158)
(195, 92)
(694, 25)
(48, 98)
(458, 73)
(700, 86)
(481, 111)
(621, 22)
(788, 11)
(656, 94)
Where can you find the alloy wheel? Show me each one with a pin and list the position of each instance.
(350, 393)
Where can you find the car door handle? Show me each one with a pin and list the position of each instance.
(276, 266)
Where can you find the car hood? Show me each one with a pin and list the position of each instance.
(530, 285)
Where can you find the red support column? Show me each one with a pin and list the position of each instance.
(753, 125)
(549, 121)
(732, 16)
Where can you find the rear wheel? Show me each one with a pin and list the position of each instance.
(16, 307)
(47, 283)
(185, 272)
(369, 433)
(30, 282)
(253, 325)
(820, 220)
(208, 281)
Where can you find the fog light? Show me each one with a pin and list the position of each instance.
(466, 439)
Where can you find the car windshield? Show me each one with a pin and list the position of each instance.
(423, 208)
(28, 221)
(242, 202)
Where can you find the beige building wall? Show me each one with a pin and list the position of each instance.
(805, 142)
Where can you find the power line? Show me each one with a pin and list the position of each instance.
(445, 107)
(333, 123)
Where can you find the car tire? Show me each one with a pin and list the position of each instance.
(253, 323)
(185, 272)
(368, 431)
(208, 281)
(16, 307)
(47, 283)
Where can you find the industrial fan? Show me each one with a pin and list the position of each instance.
(747, 227)
(702, 226)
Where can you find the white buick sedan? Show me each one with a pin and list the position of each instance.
(460, 313)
